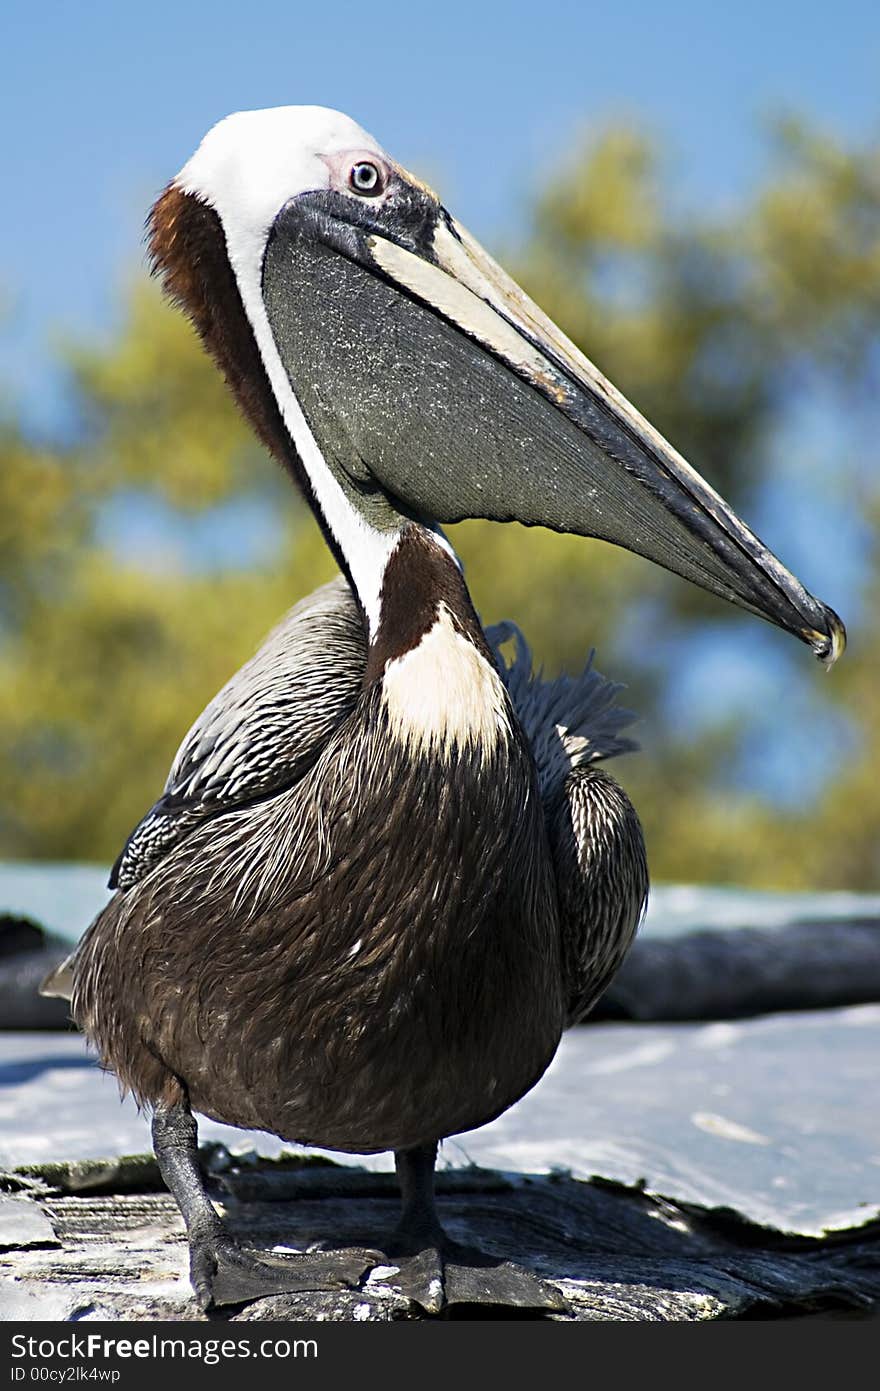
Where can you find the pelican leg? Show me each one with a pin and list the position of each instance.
(221, 1270)
(435, 1272)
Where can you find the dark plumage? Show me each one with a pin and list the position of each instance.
(330, 937)
(324, 932)
(319, 929)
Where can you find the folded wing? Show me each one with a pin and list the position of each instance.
(262, 730)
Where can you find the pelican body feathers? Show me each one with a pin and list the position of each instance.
(320, 927)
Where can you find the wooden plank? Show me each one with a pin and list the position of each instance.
(614, 1252)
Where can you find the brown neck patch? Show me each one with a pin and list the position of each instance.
(419, 577)
(188, 252)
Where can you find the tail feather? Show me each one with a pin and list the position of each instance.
(570, 721)
(59, 982)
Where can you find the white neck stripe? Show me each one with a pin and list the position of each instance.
(366, 549)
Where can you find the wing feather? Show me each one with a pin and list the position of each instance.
(263, 729)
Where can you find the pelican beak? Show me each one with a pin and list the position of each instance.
(425, 370)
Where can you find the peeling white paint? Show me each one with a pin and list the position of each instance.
(727, 1129)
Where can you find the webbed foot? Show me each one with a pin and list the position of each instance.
(444, 1274)
(223, 1272)
(438, 1274)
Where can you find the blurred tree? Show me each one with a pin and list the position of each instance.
(719, 330)
(841, 834)
(712, 326)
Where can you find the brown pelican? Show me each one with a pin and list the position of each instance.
(385, 873)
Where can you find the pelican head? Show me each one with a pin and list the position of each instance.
(385, 358)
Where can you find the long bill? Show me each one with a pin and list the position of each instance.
(433, 374)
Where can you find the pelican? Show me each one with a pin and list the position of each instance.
(386, 872)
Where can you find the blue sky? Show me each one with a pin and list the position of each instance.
(102, 102)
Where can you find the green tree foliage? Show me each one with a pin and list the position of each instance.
(713, 325)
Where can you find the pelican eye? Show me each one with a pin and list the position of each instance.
(365, 178)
